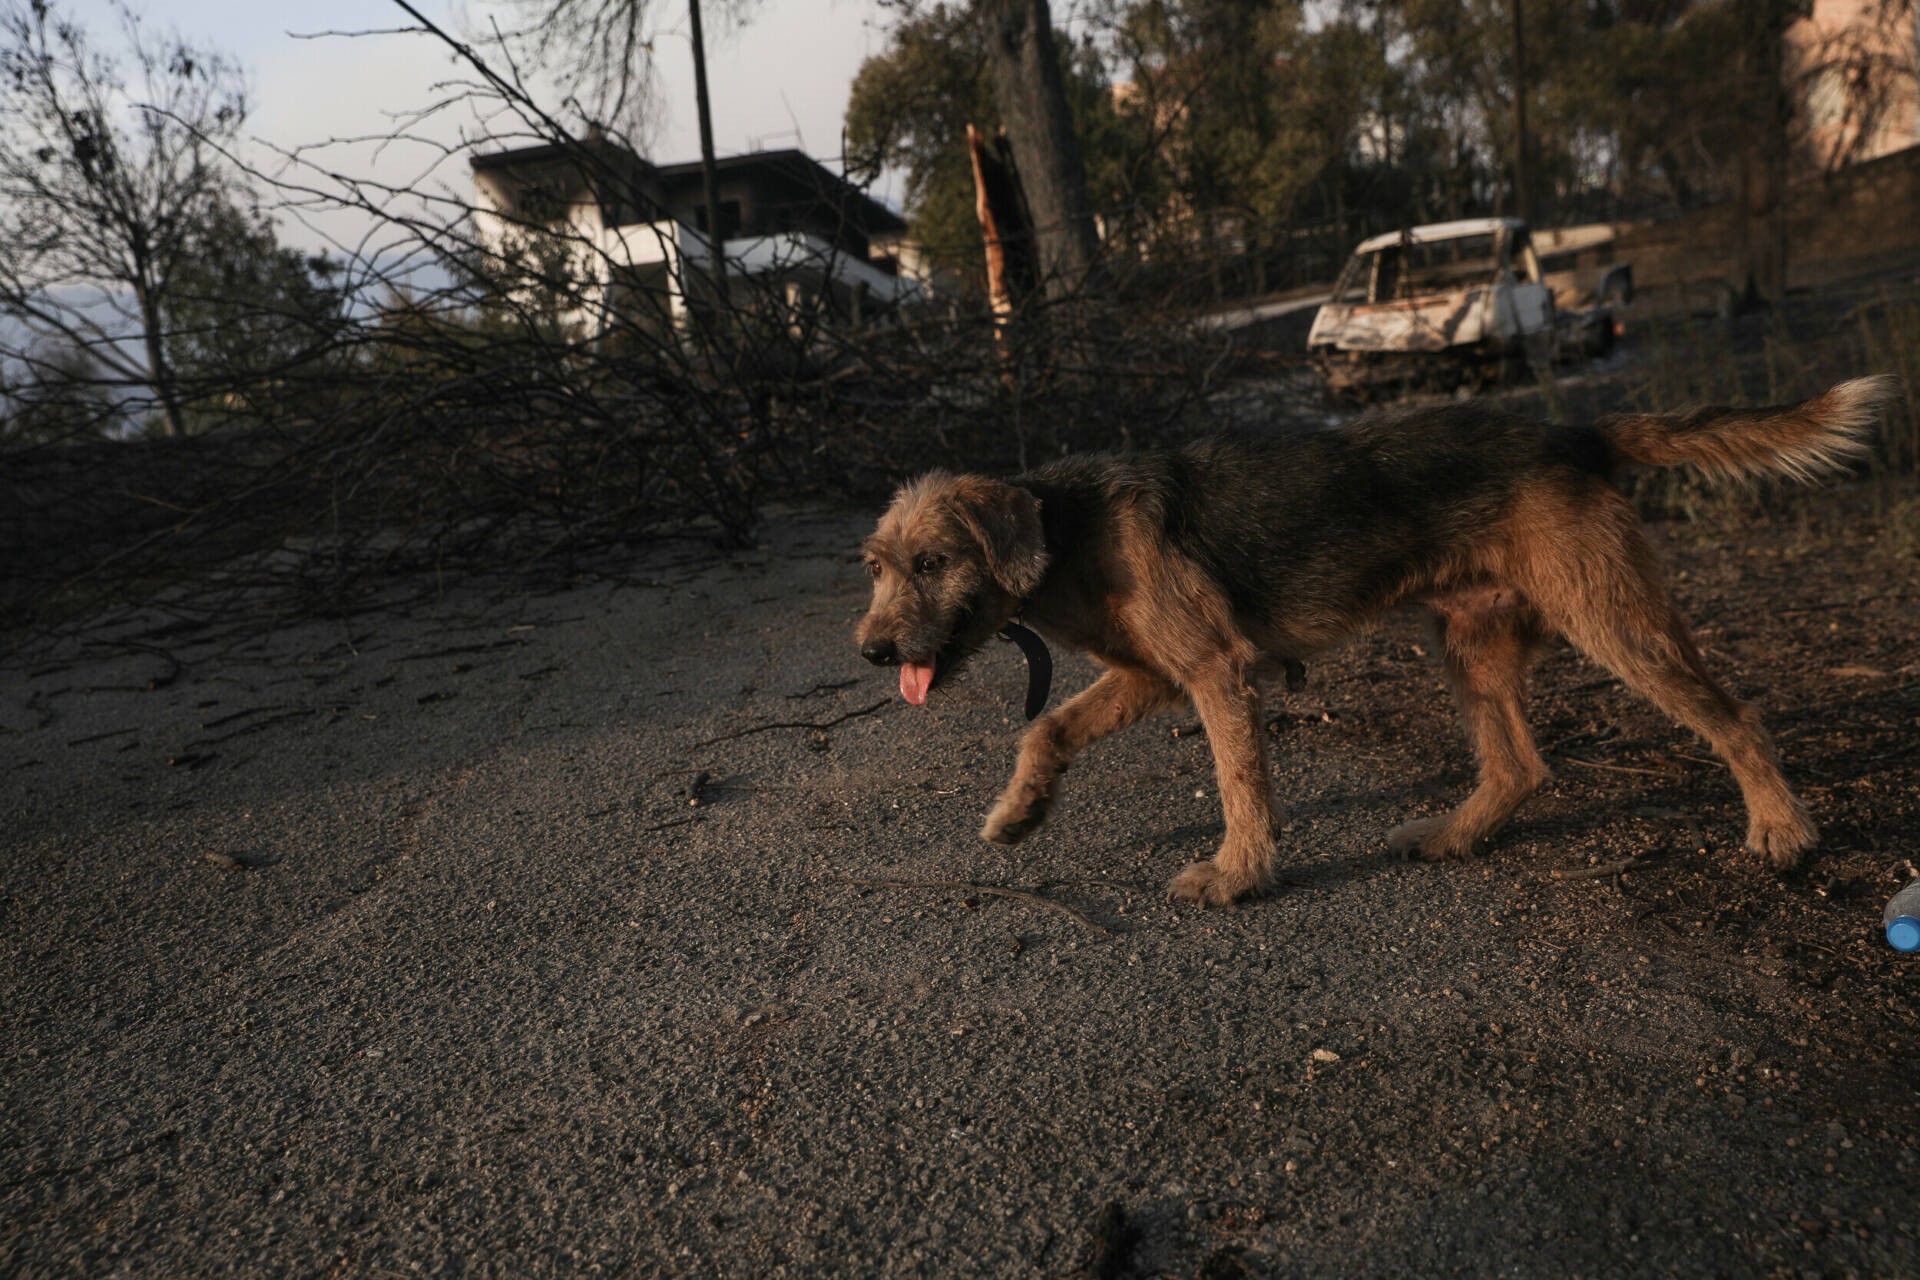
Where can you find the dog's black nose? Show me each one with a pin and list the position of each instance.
(880, 653)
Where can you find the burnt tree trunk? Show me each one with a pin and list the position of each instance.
(1522, 203)
(1760, 238)
(1032, 97)
(1000, 208)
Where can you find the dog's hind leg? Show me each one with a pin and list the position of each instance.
(1601, 586)
(1229, 706)
(1486, 639)
(1108, 705)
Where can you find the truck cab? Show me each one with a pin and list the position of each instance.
(1447, 302)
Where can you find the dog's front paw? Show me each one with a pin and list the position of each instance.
(1783, 844)
(1205, 884)
(1009, 829)
(1022, 807)
(1432, 839)
(1013, 820)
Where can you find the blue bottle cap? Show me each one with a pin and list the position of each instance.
(1904, 933)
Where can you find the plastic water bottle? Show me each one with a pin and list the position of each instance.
(1903, 919)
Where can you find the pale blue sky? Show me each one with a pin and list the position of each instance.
(778, 80)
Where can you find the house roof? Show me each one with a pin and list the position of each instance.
(796, 166)
(1441, 231)
(802, 168)
(517, 156)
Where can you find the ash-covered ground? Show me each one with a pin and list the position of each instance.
(399, 944)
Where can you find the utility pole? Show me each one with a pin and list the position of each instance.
(709, 179)
(1521, 204)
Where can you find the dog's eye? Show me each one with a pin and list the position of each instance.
(930, 564)
(873, 568)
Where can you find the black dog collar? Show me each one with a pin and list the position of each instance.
(1039, 665)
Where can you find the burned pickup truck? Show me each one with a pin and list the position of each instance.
(1447, 305)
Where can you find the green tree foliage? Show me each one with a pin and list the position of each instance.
(1219, 125)
(1203, 73)
(1204, 123)
(911, 105)
(1598, 77)
(909, 109)
(1256, 110)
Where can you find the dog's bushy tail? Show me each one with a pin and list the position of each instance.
(1802, 441)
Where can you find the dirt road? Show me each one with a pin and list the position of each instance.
(401, 945)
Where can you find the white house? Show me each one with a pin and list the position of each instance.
(633, 236)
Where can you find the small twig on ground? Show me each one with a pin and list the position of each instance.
(217, 721)
(793, 724)
(662, 826)
(1599, 872)
(457, 650)
(99, 737)
(298, 713)
(173, 664)
(1135, 885)
(1619, 768)
(825, 686)
(244, 859)
(1817, 608)
(993, 891)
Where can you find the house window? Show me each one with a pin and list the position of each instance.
(542, 202)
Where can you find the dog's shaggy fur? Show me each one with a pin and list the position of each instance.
(1194, 574)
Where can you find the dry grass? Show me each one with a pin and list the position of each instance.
(1788, 354)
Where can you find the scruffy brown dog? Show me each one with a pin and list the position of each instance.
(1196, 573)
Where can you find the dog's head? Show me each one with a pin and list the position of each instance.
(951, 561)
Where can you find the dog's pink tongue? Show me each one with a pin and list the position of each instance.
(915, 679)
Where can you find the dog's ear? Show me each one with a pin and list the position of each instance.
(1005, 521)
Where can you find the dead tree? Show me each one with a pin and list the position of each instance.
(1760, 242)
(1004, 229)
(1033, 107)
